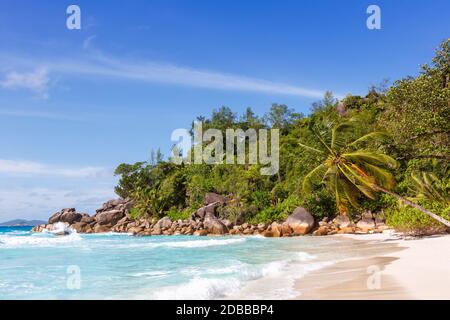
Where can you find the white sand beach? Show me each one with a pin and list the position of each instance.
(398, 268)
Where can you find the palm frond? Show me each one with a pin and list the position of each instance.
(363, 183)
(310, 148)
(351, 193)
(374, 158)
(382, 176)
(336, 131)
(322, 140)
(309, 179)
(368, 137)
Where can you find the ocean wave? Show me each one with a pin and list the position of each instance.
(109, 234)
(303, 256)
(249, 271)
(44, 240)
(225, 281)
(16, 232)
(151, 274)
(233, 267)
(276, 280)
(181, 244)
(199, 289)
(199, 243)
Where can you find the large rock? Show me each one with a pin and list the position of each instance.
(286, 230)
(156, 232)
(200, 213)
(101, 229)
(201, 232)
(109, 217)
(112, 204)
(227, 223)
(300, 221)
(322, 231)
(80, 227)
(366, 224)
(346, 230)
(87, 219)
(267, 234)
(123, 205)
(38, 228)
(342, 221)
(214, 226)
(211, 197)
(54, 218)
(275, 229)
(68, 215)
(163, 223)
(208, 210)
(135, 230)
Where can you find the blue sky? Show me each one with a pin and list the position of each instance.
(76, 103)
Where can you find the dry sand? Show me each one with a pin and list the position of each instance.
(391, 268)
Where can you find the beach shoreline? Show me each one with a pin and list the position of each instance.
(393, 267)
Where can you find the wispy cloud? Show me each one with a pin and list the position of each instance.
(151, 72)
(37, 81)
(102, 66)
(13, 167)
(40, 203)
(88, 42)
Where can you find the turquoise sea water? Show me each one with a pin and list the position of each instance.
(121, 266)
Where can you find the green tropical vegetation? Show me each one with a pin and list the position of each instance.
(387, 152)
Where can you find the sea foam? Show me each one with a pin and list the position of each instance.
(44, 240)
(199, 289)
(203, 284)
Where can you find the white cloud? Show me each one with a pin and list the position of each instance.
(33, 190)
(151, 72)
(13, 167)
(99, 65)
(87, 43)
(40, 203)
(36, 81)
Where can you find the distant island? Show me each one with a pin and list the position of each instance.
(21, 223)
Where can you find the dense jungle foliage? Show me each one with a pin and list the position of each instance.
(395, 138)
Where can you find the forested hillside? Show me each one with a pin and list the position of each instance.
(344, 157)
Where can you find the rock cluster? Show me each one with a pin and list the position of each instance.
(103, 221)
(113, 216)
(342, 224)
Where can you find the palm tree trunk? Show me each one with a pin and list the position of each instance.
(414, 205)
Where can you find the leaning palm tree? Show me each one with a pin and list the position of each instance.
(349, 171)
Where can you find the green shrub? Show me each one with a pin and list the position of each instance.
(260, 199)
(412, 221)
(277, 213)
(320, 205)
(176, 214)
(135, 213)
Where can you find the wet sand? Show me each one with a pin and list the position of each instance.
(389, 267)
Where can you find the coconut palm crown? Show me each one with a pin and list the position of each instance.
(347, 171)
(350, 171)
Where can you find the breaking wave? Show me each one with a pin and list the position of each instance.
(41, 240)
(224, 282)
